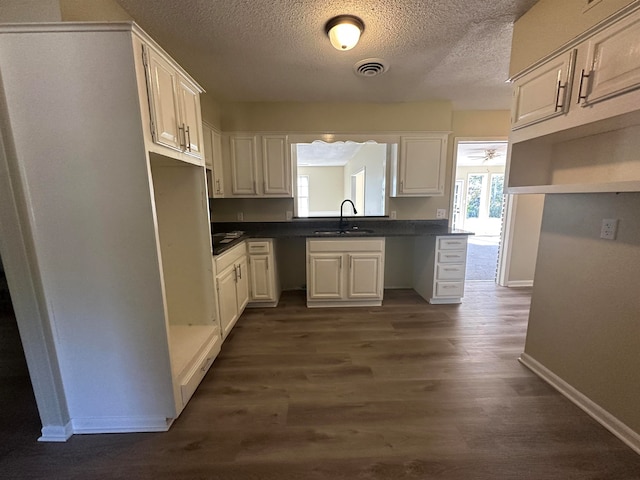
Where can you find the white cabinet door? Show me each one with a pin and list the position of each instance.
(164, 105)
(227, 299)
(212, 142)
(276, 166)
(613, 62)
(365, 275)
(190, 121)
(543, 93)
(218, 178)
(243, 165)
(261, 279)
(421, 166)
(324, 280)
(207, 142)
(242, 283)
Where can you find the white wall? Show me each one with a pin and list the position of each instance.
(371, 157)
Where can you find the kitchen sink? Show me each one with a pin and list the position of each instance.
(353, 231)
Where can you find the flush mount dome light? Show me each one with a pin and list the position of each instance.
(344, 31)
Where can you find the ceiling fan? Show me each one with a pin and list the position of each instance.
(486, 154)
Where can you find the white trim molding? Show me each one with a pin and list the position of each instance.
(121, 424)
(520, 283)
(52, 433)
(595, 411)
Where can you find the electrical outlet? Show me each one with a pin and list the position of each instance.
(441, 213)
(609, 228)
(240, 216)
(393, 215)
(289, 215)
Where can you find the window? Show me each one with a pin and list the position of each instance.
(474, 195)
(496, 195)
(303, 195)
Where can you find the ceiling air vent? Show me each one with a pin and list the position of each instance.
(370, 67)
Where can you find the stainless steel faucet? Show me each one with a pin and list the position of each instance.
(355, 212)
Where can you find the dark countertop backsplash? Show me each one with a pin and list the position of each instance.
(307, 227)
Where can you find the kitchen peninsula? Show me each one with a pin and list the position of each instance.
(434, 254)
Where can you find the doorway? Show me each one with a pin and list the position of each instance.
(478, 203)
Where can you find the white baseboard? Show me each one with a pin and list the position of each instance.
(520, 283)
(56, 433)
(599, 414)
(120, 424)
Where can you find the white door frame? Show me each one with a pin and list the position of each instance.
(506, 235)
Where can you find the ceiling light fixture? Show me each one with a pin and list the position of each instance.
(344, 31)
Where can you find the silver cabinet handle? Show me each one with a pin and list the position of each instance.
(182, 140)
(582, 77)
(267, 262)
(563, 88)
(235, 273)
(187, 140)
(240, 270)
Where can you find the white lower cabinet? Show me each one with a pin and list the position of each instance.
(440, 265)
(264, 282)
(345, 272)
(232, 286)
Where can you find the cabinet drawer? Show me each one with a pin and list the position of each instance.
(449, 289)
(229, 257)
(259, 246)
(450, 272)
(194, 376)
(448, 243)
(452, 256)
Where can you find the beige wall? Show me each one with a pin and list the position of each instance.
(551, 23)
(336, 117)
(584, 315)
(583, 325)
(22, 11)
(93, 10)
(326, 188)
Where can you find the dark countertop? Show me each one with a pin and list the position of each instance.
(357, 227)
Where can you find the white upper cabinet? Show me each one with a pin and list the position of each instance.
(189, 107)
(162, 85)
(613, 62)
(258, 166)
(584, 137)
(243, 165)
(212, 142)
(543, 93)
(420, 169)
(276, 166)
(174, 106)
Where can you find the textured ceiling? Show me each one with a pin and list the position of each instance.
(276, 50)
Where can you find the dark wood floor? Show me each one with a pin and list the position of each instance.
(405, 391)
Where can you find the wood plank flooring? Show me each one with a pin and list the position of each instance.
(403, 391)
